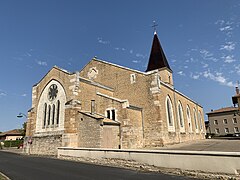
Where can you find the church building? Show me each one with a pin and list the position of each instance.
(106, 105)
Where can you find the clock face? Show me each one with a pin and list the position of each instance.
(52, 92)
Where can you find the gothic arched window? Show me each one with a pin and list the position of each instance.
(169, 112)
(51, 108)
(58, 111)
(49, 114)
(200, 119)
(53, 114)
(195, 118)
(180, 117)
(44, 115)
(189, 119)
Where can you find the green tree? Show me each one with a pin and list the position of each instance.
(23, 130)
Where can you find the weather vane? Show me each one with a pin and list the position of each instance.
(154, 26)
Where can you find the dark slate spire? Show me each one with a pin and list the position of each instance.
(157, 57)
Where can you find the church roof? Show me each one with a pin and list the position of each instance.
(157, 57)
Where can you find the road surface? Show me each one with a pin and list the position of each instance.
(21, 167)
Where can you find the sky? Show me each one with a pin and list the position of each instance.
(200, 39)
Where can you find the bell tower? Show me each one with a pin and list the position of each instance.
(158, 61)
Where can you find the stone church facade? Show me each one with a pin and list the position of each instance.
(110, 106)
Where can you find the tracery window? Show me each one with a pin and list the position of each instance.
(50, 111)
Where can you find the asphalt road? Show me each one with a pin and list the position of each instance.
(21, 167)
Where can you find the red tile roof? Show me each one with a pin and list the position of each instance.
(12, 132)
(225, 109)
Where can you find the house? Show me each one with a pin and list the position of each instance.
(11, 135)
(225, 121)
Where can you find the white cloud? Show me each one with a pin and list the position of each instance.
(226, 28)
(228, 58)
(218, 77)
(131, 51)
(24, 95)
(220, 21)
(101, 41)
(237, 68)
(195, 76)
(206, 55)
(140, 55)
(28, 54)
(136, 61)
(205, 65)
(181, 73)
(2, 94)
(229, 46)
(42, 63)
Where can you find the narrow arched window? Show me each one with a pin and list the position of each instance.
(58, 111)
(200, 119)
(44, 115)
(180, 115)
(169, 113)
(49, 114)
(189, 119)
(195, 118)
(53, 113)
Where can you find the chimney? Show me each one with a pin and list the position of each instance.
(93, 109)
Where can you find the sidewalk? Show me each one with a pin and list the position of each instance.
(13, 150)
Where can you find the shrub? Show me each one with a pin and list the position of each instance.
(12, 143)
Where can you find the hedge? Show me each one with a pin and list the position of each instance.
(12, 143)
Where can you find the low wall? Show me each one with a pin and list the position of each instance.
(207, 161)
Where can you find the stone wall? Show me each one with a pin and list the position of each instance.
(132, 129)
(90, 131)
(46, 145)
(201, 161)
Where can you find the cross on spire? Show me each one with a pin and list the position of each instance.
(154, 27)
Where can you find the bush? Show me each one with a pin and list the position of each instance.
(12, 143)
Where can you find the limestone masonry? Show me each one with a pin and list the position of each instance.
(109, 106)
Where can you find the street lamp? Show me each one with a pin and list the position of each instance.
(27, 139)
(20, 115)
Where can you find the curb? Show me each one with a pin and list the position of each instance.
(6, 178)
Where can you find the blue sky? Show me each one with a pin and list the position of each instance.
(200, 39)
